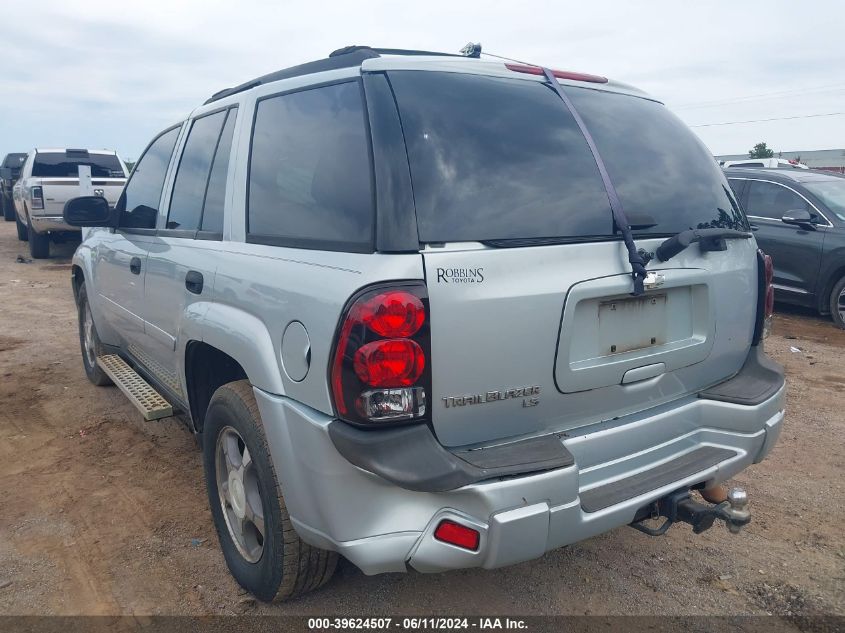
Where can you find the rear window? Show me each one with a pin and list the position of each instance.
(500, 159)
(15, 161)
(66, 165)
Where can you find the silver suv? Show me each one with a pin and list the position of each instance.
(429, 311)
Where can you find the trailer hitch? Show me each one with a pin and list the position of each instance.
(679, 506)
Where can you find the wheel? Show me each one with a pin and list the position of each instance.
(39, 243)
(89, 341)
(8, 210)
(261, 548)
(837, 303)
(23, 232)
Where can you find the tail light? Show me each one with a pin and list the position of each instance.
(765, 298)
(381, 369)
(37, 197)
(560, 74)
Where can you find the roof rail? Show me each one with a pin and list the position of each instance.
(345, 60)
(390, 51)
(346, 57)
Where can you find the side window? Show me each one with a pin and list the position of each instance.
(737, 186)
(768, 200)
(141, 197)
(212, 213)
(310, 175)
(192, 174)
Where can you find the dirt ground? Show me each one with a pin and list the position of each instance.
(103, 513)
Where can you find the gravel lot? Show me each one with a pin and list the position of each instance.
(103, 513)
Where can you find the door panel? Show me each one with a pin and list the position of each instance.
(796, 251)
(120, 288)
(181, 267)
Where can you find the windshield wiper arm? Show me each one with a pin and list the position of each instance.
(708, 239)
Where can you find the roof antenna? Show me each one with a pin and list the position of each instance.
(471, 50)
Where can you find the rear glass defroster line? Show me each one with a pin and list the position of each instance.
(638, 271)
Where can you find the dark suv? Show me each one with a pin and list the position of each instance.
(11, 171)
(798, 217)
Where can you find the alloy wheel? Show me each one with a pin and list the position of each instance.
(237, 486)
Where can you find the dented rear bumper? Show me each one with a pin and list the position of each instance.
(382, 527)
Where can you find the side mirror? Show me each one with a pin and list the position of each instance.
(797, 217)
(88, 211)
(6, 173)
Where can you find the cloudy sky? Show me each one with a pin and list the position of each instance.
(112, 74)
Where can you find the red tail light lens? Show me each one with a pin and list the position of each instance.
(770, 290)
(457, 534)
(394, 314)
(560, 74)
(766, 297)
(380, 372)
(390, 363)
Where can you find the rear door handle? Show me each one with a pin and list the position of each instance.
(194, 281)
(135, 265)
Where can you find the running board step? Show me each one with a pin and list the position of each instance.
(146, 399)
(677, 469)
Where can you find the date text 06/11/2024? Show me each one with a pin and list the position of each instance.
(416, 623)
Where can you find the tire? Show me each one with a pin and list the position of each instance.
(39, 243)
(8, 210)
(279, 565)
(837, 303)
(23, 232)
(91, 347)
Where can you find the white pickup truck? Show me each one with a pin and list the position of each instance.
(49, 178)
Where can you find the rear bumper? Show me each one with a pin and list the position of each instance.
(382, 527)
(51, 224)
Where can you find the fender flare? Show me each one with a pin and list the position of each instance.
(235, 332)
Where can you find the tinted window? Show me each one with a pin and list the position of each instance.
(309, 181)
(212, 215)
(192, 174)
(66, 165)
(736, 186)
(496, 159)
(14, 160)
(768, 200)
(142, 194)
(660, 169)
(831, 192)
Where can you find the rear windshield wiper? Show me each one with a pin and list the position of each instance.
(708, 240)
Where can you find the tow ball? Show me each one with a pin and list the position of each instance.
(679, 506)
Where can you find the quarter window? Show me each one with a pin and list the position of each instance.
(142, 195)
(310, 176)
(192, 176)
(769, 200)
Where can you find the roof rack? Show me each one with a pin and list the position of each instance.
(346, 57)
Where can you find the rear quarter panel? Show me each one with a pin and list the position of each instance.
(271, 286)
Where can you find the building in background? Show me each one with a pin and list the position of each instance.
(828, 159)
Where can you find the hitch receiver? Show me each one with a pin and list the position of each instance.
(678, 506)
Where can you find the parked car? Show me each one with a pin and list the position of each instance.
(49, 178)
(386, 291)
(10, 171)
(770, 163)
(798, 217)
